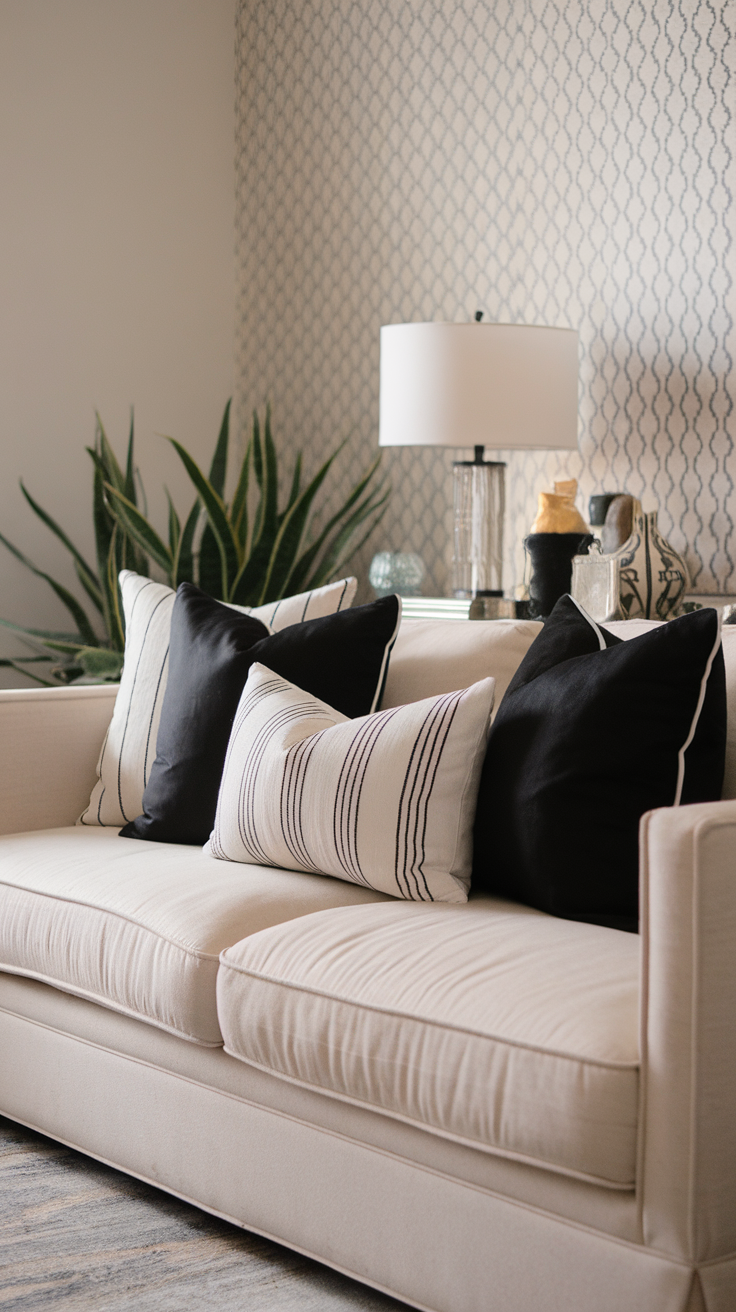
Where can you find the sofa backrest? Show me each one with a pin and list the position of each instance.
(435, 656)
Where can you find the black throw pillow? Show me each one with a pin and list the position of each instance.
(590, 735)
(342, 659)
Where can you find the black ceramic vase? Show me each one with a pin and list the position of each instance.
(551, 557)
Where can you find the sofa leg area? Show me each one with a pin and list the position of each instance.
(435, 1242)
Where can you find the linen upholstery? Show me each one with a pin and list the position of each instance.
(611, 1210)
(435, 656)
(417, 1233)
(491, 1024)
(139, 926)
(688, 1167)
(50, 743)
(129, 749)
(411, 1227)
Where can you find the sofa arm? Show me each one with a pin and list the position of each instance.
(50, 740)
(687, 1164)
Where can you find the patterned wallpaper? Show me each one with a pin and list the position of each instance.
(568, 163)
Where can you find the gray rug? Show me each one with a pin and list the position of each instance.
(79, 1234)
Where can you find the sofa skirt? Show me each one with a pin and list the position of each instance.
(433, 1223)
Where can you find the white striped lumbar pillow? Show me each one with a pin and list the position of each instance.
(385, 800)
(129, 749)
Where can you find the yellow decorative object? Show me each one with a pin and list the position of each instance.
(556, 511)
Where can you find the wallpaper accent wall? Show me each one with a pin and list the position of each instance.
(544, 161)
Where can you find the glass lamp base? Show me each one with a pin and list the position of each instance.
(478, 533)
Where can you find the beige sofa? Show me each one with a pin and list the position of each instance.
(472, 1108)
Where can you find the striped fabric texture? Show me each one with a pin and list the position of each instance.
(129, 749)
(386, 800)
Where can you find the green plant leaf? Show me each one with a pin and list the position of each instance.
(210, 559)
(270, 480)
(341, 548)
(248, 582)
(117, 623)
(174, 528)
(218, 468)
(239, 508)
(138, 527)
(300, 575)
(130, 555)
(77, 612)
(295, 481)
(129, 484)
(216, 515)
(257, 450)
(209, 564)
(85, 574)
(23, 660)
(93, 592)
(183, 568)
(112, 471)
(353, 548)
(64, 642)
(104, 524)
(289, 538)
(266, 522)
(66, 673)
(101, 663)
(16, 665)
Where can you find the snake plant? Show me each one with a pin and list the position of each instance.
(246, 550)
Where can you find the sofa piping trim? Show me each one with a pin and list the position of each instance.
(428, 1020)
(490, 1149)
(119, 915)
(344, 1138)
(109, 1005)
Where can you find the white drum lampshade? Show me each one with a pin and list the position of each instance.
(479, 385)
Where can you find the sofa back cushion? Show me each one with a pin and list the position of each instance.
(436, 656)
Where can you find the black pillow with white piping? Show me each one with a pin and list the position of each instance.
(343, 657)
(591, 733)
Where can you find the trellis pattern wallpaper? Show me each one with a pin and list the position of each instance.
(544, 161)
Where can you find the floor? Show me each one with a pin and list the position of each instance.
(76, 1234)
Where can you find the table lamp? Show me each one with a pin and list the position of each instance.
(497, 385)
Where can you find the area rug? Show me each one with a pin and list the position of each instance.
(77, 1234)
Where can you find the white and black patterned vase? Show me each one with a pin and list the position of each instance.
(654, 576)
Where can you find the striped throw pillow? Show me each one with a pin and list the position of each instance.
(386, 800)
(129, 749)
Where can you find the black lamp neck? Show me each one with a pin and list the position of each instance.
(478, 460)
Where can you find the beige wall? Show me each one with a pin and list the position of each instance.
(116, 255)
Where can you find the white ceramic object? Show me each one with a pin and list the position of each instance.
(654, 576)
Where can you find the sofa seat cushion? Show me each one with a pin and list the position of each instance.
(139, 927)
(490, 1024)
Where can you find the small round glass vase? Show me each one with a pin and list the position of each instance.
(396, 571)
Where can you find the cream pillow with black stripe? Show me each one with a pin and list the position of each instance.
(129, 749)
(386, 800)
